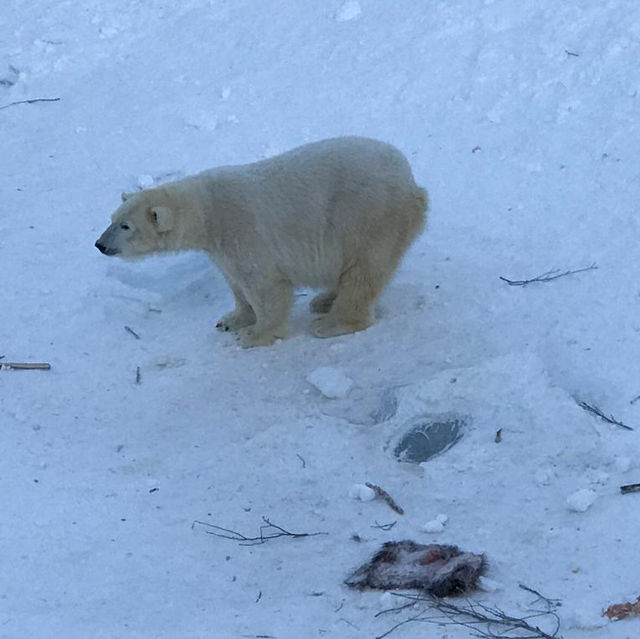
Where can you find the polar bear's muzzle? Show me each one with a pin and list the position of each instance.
(106, 250)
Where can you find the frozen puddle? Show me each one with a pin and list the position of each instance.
(428, 436)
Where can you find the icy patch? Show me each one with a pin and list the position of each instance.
(365, 407)
(361, 492)
(427, 437)
(581, 500)
(350, 10)
(331, 382)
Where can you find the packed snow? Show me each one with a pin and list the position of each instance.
(521, 119)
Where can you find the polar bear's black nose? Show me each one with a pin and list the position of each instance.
(101, 247)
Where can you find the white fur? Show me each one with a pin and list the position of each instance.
(335, 215)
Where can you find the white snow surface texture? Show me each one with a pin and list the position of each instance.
(522, 121)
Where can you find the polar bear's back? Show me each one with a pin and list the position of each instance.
(318, 206)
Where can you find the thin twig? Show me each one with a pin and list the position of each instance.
(383, 494)
(301, 458)
(396, 609)
(138, 375)
(571, 53)
(385, 527)
(552, 603)
(549, 276)
(266, 533)
(32, 101)
(401, 623)
(594, 410)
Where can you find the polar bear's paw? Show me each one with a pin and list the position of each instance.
(236, 320)
(249, 338)
(327, 326)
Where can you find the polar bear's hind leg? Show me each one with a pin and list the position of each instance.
(323, 302)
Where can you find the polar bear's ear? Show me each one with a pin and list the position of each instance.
(162, 218)
(126, 196)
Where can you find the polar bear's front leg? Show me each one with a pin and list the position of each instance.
(242, 316)
(271, 303)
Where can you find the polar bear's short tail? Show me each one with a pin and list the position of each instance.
(423, 198)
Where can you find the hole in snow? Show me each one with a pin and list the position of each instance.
(428, 436)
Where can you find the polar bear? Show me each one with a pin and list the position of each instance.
(335, 215)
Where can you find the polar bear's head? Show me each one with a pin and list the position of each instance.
(139, 227)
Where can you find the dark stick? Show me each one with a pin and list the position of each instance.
(130, 330)
(594, 410)
(383, 494)
(32, 101)
(548, 276)
(301, 458)
(630, 488)
(26, 366)
(138, 376)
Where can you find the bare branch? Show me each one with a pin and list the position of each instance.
(549, 276)
(594, 410)
(268, 531)
(32, 101)
(485, 621)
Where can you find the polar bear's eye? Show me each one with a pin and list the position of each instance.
(125, 227)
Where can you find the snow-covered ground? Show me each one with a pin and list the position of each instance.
(520, 118)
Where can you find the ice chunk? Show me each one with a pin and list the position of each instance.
(433, 526)
(361, 492)
(581, 500)
(488, 585)
(331, 382)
